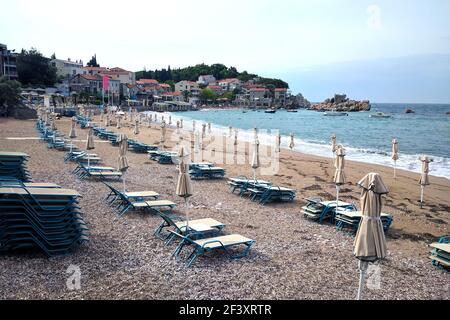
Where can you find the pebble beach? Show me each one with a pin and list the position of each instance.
(293, 258)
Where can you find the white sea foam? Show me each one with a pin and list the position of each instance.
(440, 166)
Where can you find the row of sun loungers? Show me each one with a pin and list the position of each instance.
(349, 220)
(205, 170)
(440, 253)
(40, 215)
(14, 165)
(162, 157)
(260, 191)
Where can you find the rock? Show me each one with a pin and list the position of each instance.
(298, 101)
(342, 104)
(448, 112)
(410, 111)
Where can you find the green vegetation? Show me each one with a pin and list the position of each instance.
(34, 69)
(9, 94)
(219, 71)
(93, 62)
(207, 94)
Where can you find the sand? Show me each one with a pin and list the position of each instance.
(293, 258)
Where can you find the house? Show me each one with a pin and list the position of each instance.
(67, 68)
(147, 82)
(131, 91)
(230, 84)
(260, 97)
(189, 86)
(86, 83)
(280, 96)
(172, 96)
(8, 66)
(94, 70)
(217, 89)
(206, 80)
(124, 76)
(164, 87)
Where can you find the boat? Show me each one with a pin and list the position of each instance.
(292, 110)
(334, 113)
(270, 111)
(380, 115)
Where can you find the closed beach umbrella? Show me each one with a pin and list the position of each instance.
(395, 155)
(107, 120)
(424, 180)
(292, 143)
(170, 120)
(193, 125)
(178, 126)
(156, 117)
(118, 121)
(339, 175)
(209, 127)
(150, 117)
(196, 142)
(230, 128)
(136, 126)
(255, 159)
(123, 161)
(163, 134)
(184, 185)
(181, 123)
(204, 130)
(73, 133)
(90, 141)
(370, 242)
(101, 115)
(278, 143)
(333, 144)
(53, 124)
(235, 137)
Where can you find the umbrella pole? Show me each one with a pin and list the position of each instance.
(395, 169)
(124, 185)
(421, 195)
(337, 196)
(362, 274)
(254, 175)
(89, 165)
(187, 214)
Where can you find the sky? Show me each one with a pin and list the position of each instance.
(321, 47)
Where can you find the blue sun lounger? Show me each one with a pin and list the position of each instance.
(205, 245)
(440, 255)
(206, 171)
(318, 210)
(349, 219)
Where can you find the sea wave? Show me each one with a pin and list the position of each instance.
(409, 162)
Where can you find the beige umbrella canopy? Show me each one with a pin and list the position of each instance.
(123, 161)
(339, 174)
(184, 186)
(163, 134)
(53, 124)
(90, 141)
(136, 126)
(370, 242)
(394, 155)
(424, 180)
(255, 159)
(278, 142)
(73, 133)
(197, 142)
(292, 143)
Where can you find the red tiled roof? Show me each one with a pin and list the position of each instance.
(147, 81)
(164, 85)
(280, 89)
(229, 80)
(258, 89)
(96, 68)
(117, 69)
(214, 87)
(176, 93)
(91, 77)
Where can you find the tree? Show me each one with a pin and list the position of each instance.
(53, 57)
(186, 95)
(93, 62)
(207, 94)
(34, 69)
(9, 94)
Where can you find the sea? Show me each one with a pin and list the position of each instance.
(365, 139)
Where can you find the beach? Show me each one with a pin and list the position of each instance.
(293, 258)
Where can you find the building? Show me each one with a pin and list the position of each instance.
(172, 96)
(206, 80)
(94, 70)
(230, 84)
(280, 96)
(86, 83)
(65, 68)
(216, 89)
(189, 86)
(260, 97)
(8, 65)
(124, 76)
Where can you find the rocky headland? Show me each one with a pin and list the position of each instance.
(340, 103)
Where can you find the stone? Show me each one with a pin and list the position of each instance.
(341, 103)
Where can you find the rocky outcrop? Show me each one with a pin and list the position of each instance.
(448, 112)
(297, 102)
(340, 102)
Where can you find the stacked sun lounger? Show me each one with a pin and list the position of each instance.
(350, 219)
(205, 171)
(140, 147)
(83, 121)
(319, 210)
(440, 255)
(14, 165)
(45, 218)
(84, 171)
(162, 157)
(261, 191)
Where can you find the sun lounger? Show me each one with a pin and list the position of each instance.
(139, 196)
(319, 210)
(349, 220)
(205, 245)
(82, 171)
(14, 165)
(199, 226)
(127, 203)
(242, 184)
(46, 218)
(205, 171)
(440, 255)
